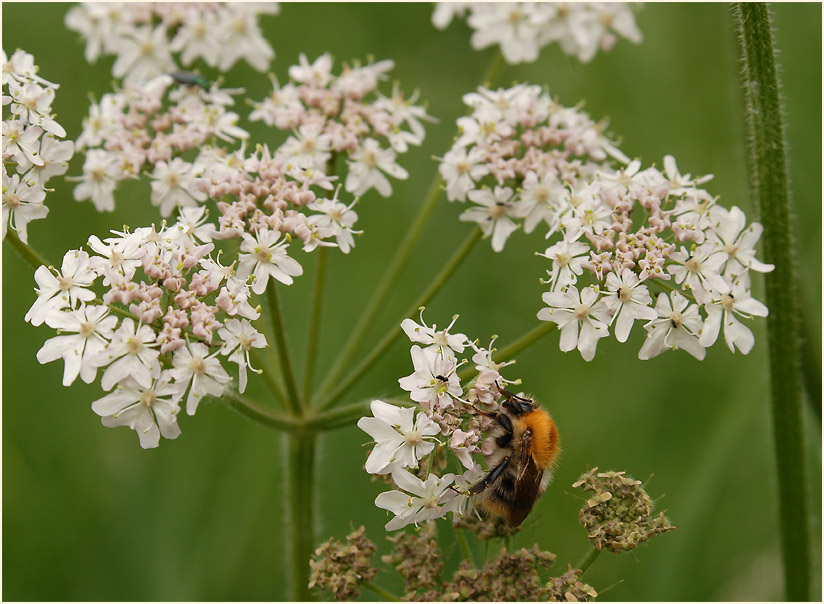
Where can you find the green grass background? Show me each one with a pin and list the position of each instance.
(88, 515)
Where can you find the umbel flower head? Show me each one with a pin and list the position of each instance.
(618, 515)
(342, 567)
(628, 244)
(569, 588)
(331, 114)
(509, 577)
(32, 150)
(522, 29)
(448, 420)
(417, 558)
(145, 36)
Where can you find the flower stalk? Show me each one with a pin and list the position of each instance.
(769, 187)
(293, 396)
(314, 323)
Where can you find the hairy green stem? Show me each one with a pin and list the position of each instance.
(380, 591)
(509, 352)
(258, 413)
(314, 324)
(440, 280)
(300, 495)
(588, 559)
(769, 185)
(293, 396)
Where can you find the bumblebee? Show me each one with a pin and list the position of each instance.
(525, 444)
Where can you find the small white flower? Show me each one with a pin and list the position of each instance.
(92, 327)
(241, 38)
(734, 241)
(494, 215)
(22, 203)
(266, 257)
(573, 311)
(434, 382)
(428, 500)
(446, 343)
(338, 218)
(461, 170)
(142, 54)
(699, 269)
(630, 300)
(722, 310)
(366, 167)
(173, 185)
(540, 200)
(567, 260)
(194, 364)
(99, 180)
(399, 441)
(151, 411)
(131, 354)
(60, 289)
(239, 337)
(676, 327)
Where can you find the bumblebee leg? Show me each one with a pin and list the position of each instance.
(491, 477)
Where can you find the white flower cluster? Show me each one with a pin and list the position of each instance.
(517, 155)
(145, 128)
(144, 35)
(624, 228)
(31, 145)
(187, 315)
(522, 29)
(332, 114)
(446, 415)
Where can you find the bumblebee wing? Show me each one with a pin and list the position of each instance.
(527, 487)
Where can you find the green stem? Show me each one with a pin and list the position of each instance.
(293, 398)
(460, 535)
(26, 252)
(385, 286)
(380, 591)
(511, 351)
(587, 560)
(769, 185)
(260, 414)
(300, 495)
(458, 257)
(314, 324)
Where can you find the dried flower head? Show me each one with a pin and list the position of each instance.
(510, 577)
(416, 557)
(618, 515)
(341, 568)
(568, 588)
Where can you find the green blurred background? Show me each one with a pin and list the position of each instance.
(88, 515)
